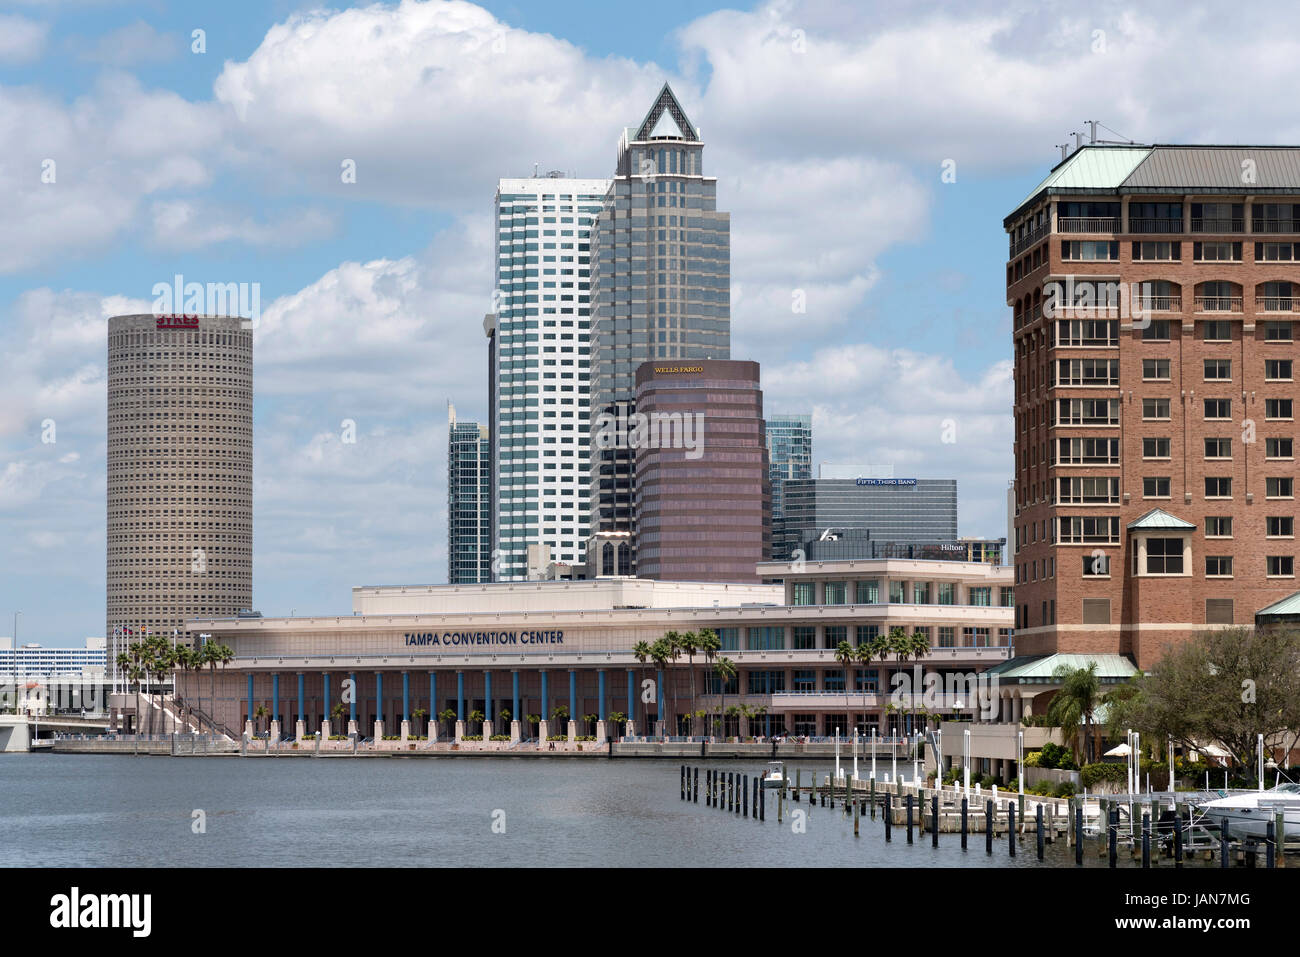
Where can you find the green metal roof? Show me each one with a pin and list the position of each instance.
(1159, 518)
(1093, 168)
(1290, 605)
(1038, 669)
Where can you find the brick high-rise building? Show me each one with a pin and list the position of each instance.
(1154, 292)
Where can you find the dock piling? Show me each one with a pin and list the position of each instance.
(1011, 829)
(909, 819)
(988, 826)
(934, 820)
(964, 803)
(1146, 839)
(1078, 833)
(1224, 844)
(1038, 829)
(1270, 846)
(889, 822)
(1112, 835)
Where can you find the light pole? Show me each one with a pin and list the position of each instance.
(965, 752)
(1020, 760)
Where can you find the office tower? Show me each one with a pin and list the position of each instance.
(469, 502)
(866, 517)
(703, 497)
(180, 473)
(540, 345)
(1153, 292)
(789, 455)
(661, 285)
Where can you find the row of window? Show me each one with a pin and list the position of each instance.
(921, 593)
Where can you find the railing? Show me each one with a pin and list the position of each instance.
(1218, 303)
(1261, 225)
(1217, 224)
(1155, 225)
(1087, 224)
(1161, 303)
(1276, 303)
(1030, 238)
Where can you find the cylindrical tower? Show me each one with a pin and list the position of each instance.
(180, 473)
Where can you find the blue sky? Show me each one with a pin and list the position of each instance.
(828, 126)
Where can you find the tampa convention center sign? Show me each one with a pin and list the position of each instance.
(455, 638)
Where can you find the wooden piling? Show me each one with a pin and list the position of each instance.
(1112, 835)
(988, 826)
(1178, 837)
(857, 813)
(909, 819)
(1038, 829)
(1146, 839)
(873, 797)
(889, 822)
(1078, 833)
(1224, 844)
(1011, 829)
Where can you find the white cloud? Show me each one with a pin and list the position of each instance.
(182, 224)
(21, 39)
(127, 46)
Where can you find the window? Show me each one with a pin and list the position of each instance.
(1156, 251)
(1155, 487)
(947, 636)
(835, 593)
(803, 593)
(1277, 330)
(1275, 252)
(1155, 369)
(1089, 451)
(1277, 409)
(1088, 491)
(980, 596)
(1218, 566)
(1087, 332)
(804, 637)
(1281, 526)
(1218, 448)
(1218, 369)
(765, 639)
(1218, 487)
(1164, 556)
(803, 680)
(897, 593)
(920, 593)
(947, 593)
(1157, 330)
(1089, 250)
(867, 592)
(1281, 566)
(1218, 408)
(1096, 611)
(1096, 565)
(1217, 217)
(1279, 487)
(1218, 611)
(1277, 369)
(1273, 297)
(1008, 597)
(1218, 526)
(1155, 409)
(1087, 372)
(1155, 448)
(1087, 412)
(1278, 448)
(1216, 330)
(1216, 252)
(1083, 530)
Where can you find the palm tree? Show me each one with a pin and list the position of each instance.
(641, 652)
(560, 713)
(590, 719)
(418, 714)
(477, 716)
(1073, 706)
(336, 713)
(689, 642)
(659, 655)
(846, 654)
(725, 669)
(262, 712)
(447, 714)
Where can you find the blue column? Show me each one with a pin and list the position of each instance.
(275, 696)
(546, 698)
(352, 705)
(326, 699)
(659, 699)
(573, 695)
(631, 695)
(433, 698)
(487, 694)
(600, 708)
(250, 696)
(379, 696)
(301, 679)
(460, 696)
(406, 696)
(515, 713)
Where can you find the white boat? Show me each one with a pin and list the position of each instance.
(1248, 814)
(774, 776)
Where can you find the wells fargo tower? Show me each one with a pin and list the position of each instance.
(1154, 292)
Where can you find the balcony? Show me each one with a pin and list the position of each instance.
(1162, 304)
(1260, 225)
(1155, 225)
(1087, 224)
(1218, 303)
(1275, 303)
(1018, 246)
(1218, 224)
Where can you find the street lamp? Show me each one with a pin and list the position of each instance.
(1020, 760)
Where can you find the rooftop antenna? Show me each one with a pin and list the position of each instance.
(1078, 141)
(1092, 131)
(535, 166)
(1065, 150)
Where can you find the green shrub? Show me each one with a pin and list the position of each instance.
(500, 737)
(1093, 774)
(1033, 758)
(471, 737)
(1065, 789)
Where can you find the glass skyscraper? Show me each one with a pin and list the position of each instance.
(469, 502)
(541, 361)
(789, 456)
(661, 286)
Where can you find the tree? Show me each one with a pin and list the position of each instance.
(659, 654)
(477, 717)
(1220, 686)
(725, 669)
(1073, 706)
(448, 715)
(419, 714)
(560, 713)
(846, 654)
(336, 713)
(689, 643)
(261, 713)
(642, 652)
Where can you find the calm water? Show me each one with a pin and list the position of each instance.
(92, 810)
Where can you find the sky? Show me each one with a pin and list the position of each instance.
(867, 155)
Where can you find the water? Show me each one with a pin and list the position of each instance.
(118, 810)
